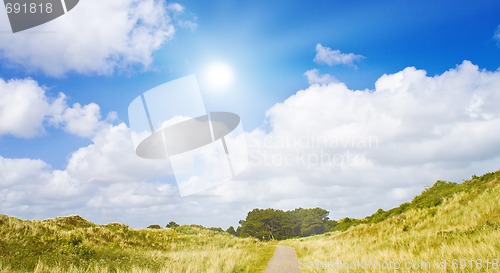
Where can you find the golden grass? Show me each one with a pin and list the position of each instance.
(460, 235)
(72, 244)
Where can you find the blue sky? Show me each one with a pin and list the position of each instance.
(270, 46)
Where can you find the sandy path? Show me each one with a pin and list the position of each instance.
(283, 261)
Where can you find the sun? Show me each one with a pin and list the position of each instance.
(219, 75)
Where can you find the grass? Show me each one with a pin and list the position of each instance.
(431, 197)
(73, 244)
(448, 228)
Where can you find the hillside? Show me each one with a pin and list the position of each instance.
(430, 197)
(450, 227)
(73, 244)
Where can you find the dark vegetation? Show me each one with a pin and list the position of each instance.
(272, 224)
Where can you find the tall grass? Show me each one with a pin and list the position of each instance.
(72, 244)
(461, 234)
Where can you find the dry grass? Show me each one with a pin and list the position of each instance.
(72, 244)
(464, 231)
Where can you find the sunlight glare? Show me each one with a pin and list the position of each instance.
(219, 75)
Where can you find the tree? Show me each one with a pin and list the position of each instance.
(172, 224)
(264, 224)
(271, 224)
(231, 231)
(311, 226)
(154, 226)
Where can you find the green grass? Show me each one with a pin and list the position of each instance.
(73, 244)
(456, 223)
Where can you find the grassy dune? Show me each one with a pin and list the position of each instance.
(448, 228)
(72, 244)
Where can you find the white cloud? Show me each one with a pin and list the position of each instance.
(180, 18)
(176, 8)
(26, 110)
(94, 37)
(496, 36)
(24, 107)
(410, 131)
(188, 24)
(111, 159)
(106, 174)
(348, 151)
(14, 170)
(408, 111)
(328, 56)
(313, 77)
(79, 120)
(328, 145)
(31, 187)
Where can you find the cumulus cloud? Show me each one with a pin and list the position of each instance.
(24, 107)
(92, 174)
(14, 170)
(111, 159)
(331, 57)
(26, 110)
(348, 151)
(94, 38)
(105, 174)
(79, 120)
(327, 145)
(313, 77)
(31, 188)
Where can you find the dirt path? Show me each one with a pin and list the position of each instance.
(283, 261)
